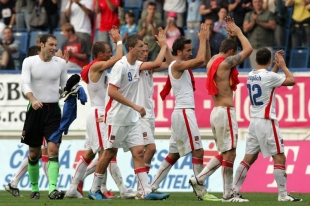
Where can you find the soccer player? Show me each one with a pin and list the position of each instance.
(185, 137)
(264, 133)
(122, 116)
(12, 186)
(145, 99)
(95, 75)
(222, 81)
(41, 77)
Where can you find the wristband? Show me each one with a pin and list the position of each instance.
(119, 43)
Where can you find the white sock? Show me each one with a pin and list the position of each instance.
(210, 168)
(116, 175)
(240, 176)
(280, 177)
(91, 168)
(103, 187)
(45, 165)
(79, 172)
(162, 172)
(143, 180)
(23, 168)
(227, 175)
(147, 166)
(98, 178)
(197, 165)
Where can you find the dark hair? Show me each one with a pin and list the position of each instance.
(179, 44)
(33, 50)
(132, 40)
(227, 45)
(151, 4)
(45, 37)
(130, 14)
(98, 46)
(263, 56)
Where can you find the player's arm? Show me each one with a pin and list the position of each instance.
(207, 56)
(247, 49)
(103, 65)
(26, 81)
(63, 75)
(161, 41)
(200, 58)
(165, 65)
(275, 68)
(290, 80)
(116, 95)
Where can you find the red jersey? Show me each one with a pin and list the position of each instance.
(108, 18)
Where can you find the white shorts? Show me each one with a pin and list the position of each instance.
(264, 136)
(123, 137)
(185, 136)
(224, 127)
(148, 128)
(94, 130)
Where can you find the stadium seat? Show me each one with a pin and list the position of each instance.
(133, 4)
(247, 63)
(191, 34)
(60, 38)
(299, 57)
(22, 37)
(96, 35)
(34, 35)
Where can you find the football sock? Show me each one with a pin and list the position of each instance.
(197, 165)
(91, 168)
(148, 167)
(227, 174)
(79, 171)
(210, 168)
(240, 176)
(98, 178)
(103, 187)
(116, 174)
(44, 165)
(33, 170)
(53, 171)
(280, 177)
(162, 172)
(143, 180)
(20, 173)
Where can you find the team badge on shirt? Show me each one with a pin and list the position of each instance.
(144, 134)
(112, 137)
(196, 138)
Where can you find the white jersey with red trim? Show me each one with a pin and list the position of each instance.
(125, 77)
(261, 86)
(182, 89)
(97, 91)
(145, 93)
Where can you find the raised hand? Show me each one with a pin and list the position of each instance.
(204, 33)
(231, 27)
(161, 37)
(64, 56)
(279, 60)
(115, 35)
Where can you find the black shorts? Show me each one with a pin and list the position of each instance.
(41, 123)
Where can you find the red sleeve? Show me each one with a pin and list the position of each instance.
(116, 3)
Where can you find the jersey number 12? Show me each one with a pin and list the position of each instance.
(255, 91)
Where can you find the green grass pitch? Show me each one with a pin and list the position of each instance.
(175, 199)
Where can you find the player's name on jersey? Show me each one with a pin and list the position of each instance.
(254, 78)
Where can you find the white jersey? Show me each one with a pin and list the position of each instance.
(126, 78)
(97, 91)
(261, 88)
(145, 93)
(182, 89)
(37, 74)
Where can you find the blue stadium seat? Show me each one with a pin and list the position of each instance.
(34, 35)
(22, 37)
(133, 4)
(60, 38)
(247, 63)
(136, 12)
(299, 57)
(191, 34)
